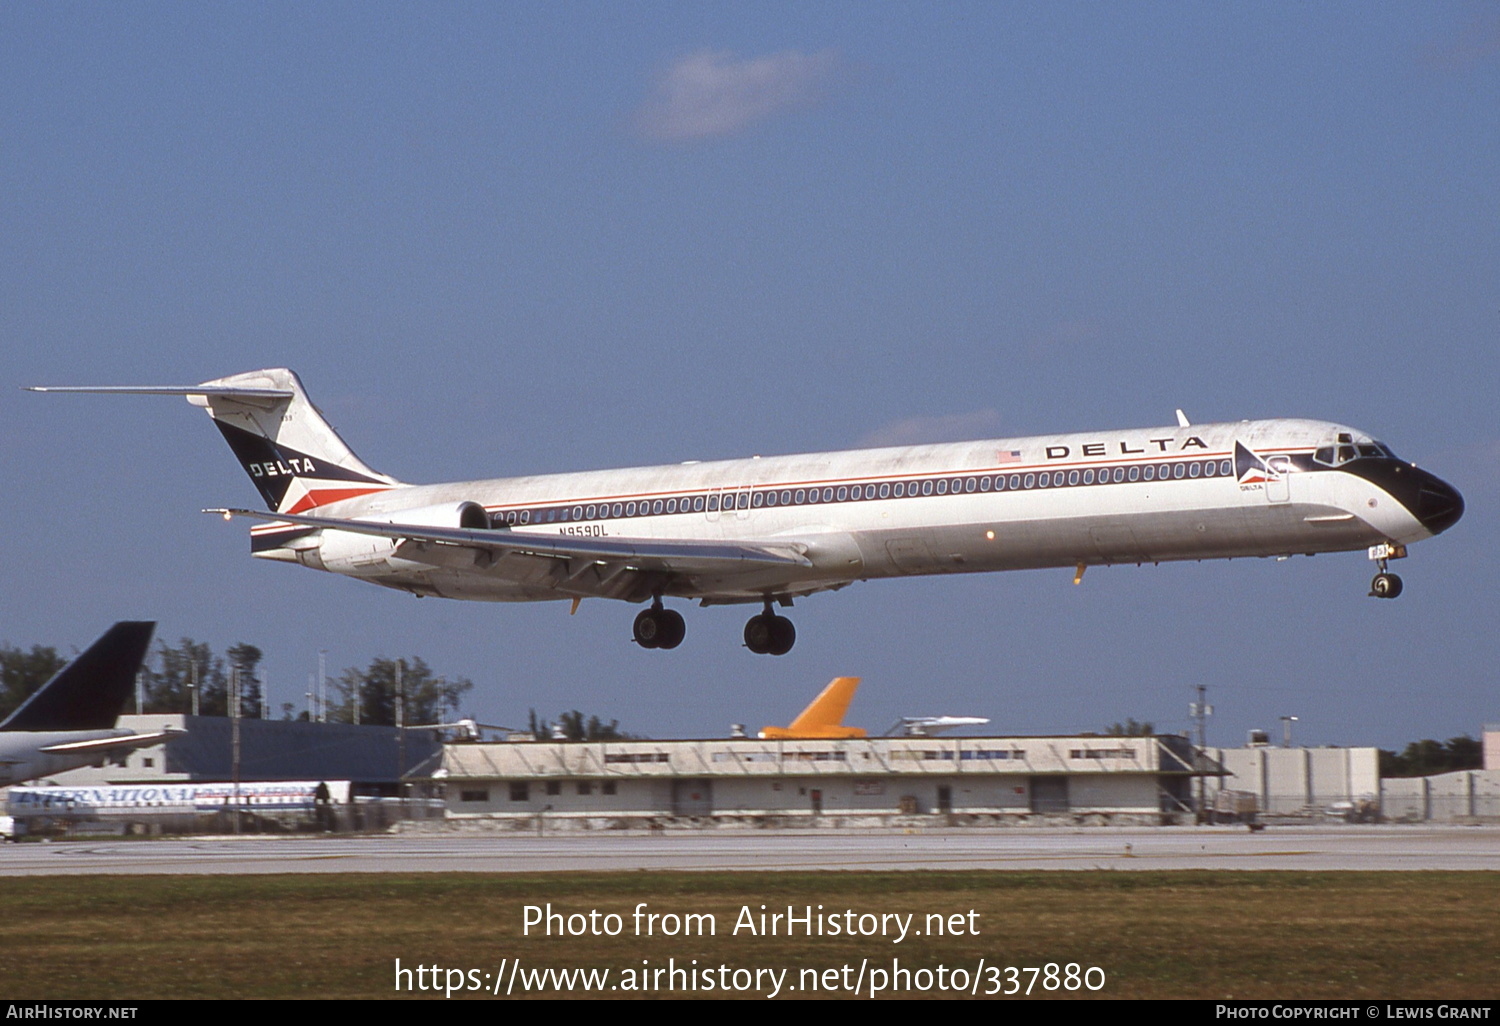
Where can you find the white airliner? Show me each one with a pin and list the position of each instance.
(768, 530)
(70, 720)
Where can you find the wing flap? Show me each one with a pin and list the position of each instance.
(682, 555)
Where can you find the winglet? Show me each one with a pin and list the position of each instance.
(824, 716)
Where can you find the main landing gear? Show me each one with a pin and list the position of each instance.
(769, 634)
(1386, 585)
(659, 627)
(765, 634)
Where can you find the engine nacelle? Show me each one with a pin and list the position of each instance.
(348, 552)
(468, 515)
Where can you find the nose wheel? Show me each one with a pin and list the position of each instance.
(1385, 585)
(659, 627)
(769, 634)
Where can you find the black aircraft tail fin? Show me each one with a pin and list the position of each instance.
(89, 692)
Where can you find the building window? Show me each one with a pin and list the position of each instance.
(554, 787)
(520, 791)
(473, 796)
(585, 787)
(608, 787)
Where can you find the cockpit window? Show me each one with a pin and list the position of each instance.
(1348, 449)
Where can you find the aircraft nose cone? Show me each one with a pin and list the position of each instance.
(1439, 506)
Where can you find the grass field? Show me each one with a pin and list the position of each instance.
(1154, 935)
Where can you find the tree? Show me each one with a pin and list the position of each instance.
(1426, 757)
(246, 660)
(21, 673)
(575, 728)
(1131, 728)
(190, 664)
(427, 697)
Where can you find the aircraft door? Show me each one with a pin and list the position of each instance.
(1277, 489)
(728, 502)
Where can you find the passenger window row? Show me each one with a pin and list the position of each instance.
(730, 500)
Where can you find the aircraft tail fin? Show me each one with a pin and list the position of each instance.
(294, 457)
(824, 715)
(89, 692)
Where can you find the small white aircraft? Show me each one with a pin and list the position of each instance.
(768, 530)
(464, 730)
(926, 726)
(70, 720)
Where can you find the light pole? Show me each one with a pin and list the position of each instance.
(1200, 711)
(401, 735)
(234, 738)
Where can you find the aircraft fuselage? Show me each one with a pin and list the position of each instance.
(1209, 491)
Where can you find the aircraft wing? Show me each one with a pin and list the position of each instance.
(678, 556)
(104, 744)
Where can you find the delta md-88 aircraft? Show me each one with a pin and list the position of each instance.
(769, 530)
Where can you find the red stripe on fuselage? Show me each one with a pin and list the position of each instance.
(323, 496)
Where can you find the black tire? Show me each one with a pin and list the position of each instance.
(1386, 586)
(758, 633)
(783, 636)
(647, 629)
(671, 628)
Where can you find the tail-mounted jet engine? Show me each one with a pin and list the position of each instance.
(349, 553)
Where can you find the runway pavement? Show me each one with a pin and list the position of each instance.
(1094, 848)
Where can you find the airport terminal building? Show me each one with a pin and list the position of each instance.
(848, 782)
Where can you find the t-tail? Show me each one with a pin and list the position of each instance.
(293, 455)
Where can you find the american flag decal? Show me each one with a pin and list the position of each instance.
(1007, 455)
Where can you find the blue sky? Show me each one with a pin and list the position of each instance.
(499, 239)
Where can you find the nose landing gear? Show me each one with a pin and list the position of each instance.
(1386, 585)
(769, 634)
(659, 627)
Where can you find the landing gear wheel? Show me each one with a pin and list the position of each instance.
(769, 634)
(758, 634)
(1385, 585)
(783, 636)
(659, 627)
(647, 629)
(671, 628)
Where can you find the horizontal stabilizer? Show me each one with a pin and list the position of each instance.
(292, 455)
(222, 391)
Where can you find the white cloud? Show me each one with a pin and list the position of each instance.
(712, 94)
(951, 427)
